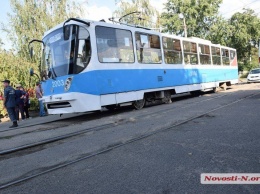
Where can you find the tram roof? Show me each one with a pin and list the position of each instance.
(140, 29)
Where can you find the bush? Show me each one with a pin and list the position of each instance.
(247, 66)
(3, 111)
(34, 106)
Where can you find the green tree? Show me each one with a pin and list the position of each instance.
(147, 17)
(15, 69)
(30, 19)
(245, 37)
(220, 31)
(198, 14)
(12, 69)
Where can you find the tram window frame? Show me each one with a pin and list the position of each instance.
(83, 55)
(172, 55)
(188, 52)
(225, 56)
(216, 56)
(128, 41)
(204, 54)
(149, 48)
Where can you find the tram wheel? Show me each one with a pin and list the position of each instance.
(215, 90)
(224, 86)
(139, 104)
(167, 97)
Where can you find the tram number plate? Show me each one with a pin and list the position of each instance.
(58, 83)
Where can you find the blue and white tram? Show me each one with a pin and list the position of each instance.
(88, 65)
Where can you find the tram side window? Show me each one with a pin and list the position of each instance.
(204, 52)
(232, 55)
(84, 50)
(216, 58)
(172, 50)
(148, 48)
(190, 53)
(114, 45)
(225, 56)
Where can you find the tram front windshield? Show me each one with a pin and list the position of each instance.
(61, 57)
(57, 55)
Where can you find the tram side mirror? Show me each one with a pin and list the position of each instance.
(31, 52)
(31, 72)
(66, 32)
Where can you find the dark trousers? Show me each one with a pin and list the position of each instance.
(19, 108)
(26, 111)
(12, 113)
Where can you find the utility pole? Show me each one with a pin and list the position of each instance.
(259, 52)
(184, 22)
(181, 16)
(185, 27)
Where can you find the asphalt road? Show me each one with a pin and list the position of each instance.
(222, 136)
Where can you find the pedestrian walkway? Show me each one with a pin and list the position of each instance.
(37, 121)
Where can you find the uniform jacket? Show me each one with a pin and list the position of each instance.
(9, 94)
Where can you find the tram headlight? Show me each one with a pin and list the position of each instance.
(68, 84)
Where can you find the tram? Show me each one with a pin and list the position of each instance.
(87, 65)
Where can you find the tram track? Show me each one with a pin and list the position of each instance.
(82, 117)
(120, 144)
(54, 139)
(94, 116)
(97, 128)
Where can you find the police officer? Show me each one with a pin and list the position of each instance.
(9, 102)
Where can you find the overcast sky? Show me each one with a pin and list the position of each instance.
(103, 9)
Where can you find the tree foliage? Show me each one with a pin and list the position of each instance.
(16, 69)
(30, 19)
(220, 32)
(147, 17)
(241, 31)
(199, 16)
(245, 35)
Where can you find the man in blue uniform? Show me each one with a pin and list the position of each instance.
(9, 102)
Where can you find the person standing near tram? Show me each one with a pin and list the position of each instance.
(19, 94)
(26, 101)
(9, 102)
(39, 95)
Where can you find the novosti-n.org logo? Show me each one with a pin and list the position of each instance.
(230, 178)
